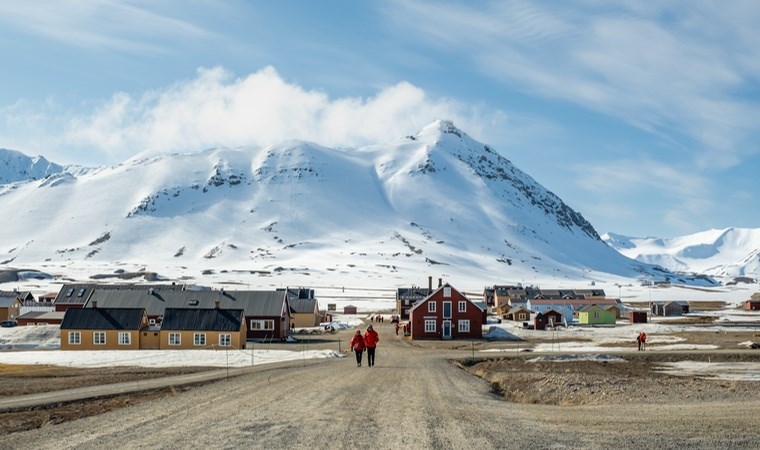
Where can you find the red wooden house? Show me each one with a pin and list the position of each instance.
(752, 304)
(446, 314)
(545, 319)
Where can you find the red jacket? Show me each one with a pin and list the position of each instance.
(371, 338)
(357, 343)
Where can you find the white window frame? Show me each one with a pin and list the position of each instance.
(463, 326)
(125, 338)
(175, 339)
(95, 337)
(462, 307)
(262, 325)
(431, 307)
(225, 340)
(75, 338)
(447, 292)
(430, 325)
(199, 339)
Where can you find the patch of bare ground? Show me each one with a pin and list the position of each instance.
(33, 379)
(34, 418)
(519, 380)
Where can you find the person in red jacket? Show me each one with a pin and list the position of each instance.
(357, 346)
(370, 341)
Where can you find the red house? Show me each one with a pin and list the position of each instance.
(545, 319)
(752, 305)
(446, 314)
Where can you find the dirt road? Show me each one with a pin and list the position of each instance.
(412, 398)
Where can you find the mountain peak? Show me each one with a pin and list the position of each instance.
(439, 127)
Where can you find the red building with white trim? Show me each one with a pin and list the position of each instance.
(446, 314)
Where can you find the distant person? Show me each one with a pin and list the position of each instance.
(643, 341)
(638, 341)
(397, 327)
(370, 341)
(357, 346)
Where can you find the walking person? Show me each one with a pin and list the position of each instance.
(638, 341)
(370, 341)
(357, 346)
(643, 341)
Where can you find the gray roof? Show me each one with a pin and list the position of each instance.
(412, 293)
(155, 302)
(23, 295)
(183, 319)
(303, 305)
(103, 319)
(8, 301)
(77, 294)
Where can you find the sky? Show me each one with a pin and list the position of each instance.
(642, 116)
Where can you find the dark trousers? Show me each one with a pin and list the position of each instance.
(371, 356)
(358, 356)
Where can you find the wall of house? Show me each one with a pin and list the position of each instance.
(472, 313)
(38, 321)
(302, 320)
(187, 340)
(11, 312)
(281, 328)
(112, 340)
(605, 317)
(150, 340)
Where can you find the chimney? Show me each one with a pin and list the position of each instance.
(216, 303)
(95, 304)
(430, 283)
(221, 291)
(150, 291)
(440, 282)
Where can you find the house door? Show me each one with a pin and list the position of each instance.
(446, 329)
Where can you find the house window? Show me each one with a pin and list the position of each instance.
(447, 292)
(199, 339)
(462, 307)
(99, 338)
(430, 326)
(75, 338)
(262, 325)
(125, 338)
(175, 339)
(464, 326)
(596, 314)
(225, 340)
(431, 307)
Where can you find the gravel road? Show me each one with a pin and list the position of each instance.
(412, 398)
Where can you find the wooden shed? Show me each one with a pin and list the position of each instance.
(752, 305)
(349, 309)
(637, 316)
(550, 318)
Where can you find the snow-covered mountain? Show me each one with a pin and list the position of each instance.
(731, 252)
(437, 201)
(16, 166)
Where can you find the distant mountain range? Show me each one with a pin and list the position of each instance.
(731, 252)
(434, 201)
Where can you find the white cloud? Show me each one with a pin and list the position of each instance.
(97, 24)
(216, 109)
(675, 69)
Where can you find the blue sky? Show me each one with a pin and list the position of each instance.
(643, 116)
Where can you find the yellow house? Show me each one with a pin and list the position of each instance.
(102, 328)
(215, 328)
(304, 312)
